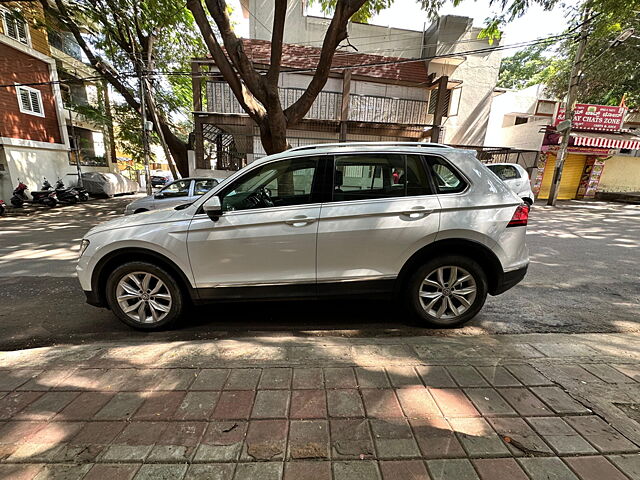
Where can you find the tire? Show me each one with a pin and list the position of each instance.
(125, 273)
(84, 197)
(50, 202)
(426, 280)
(17, 202)
(528, 201)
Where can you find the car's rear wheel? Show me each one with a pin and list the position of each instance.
(447, 291)
(144, 296)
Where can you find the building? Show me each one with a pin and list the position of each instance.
(472, 74)
(39, 79)
(421, 85)
(518, 118)
(603, 148)
(367, 103)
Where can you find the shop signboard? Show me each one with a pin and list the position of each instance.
(602, 118)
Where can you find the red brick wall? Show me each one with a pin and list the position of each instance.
(18, 67)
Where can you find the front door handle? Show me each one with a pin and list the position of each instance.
(300, 221)
(417, 212)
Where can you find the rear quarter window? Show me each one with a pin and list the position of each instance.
(445, 178)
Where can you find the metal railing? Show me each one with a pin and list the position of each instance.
(362, 108)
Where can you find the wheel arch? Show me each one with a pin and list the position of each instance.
(129, 254)
(456, 246)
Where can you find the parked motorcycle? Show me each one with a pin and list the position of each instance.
(81, 192)
(3, 208)
(41, 197)
(65, 195)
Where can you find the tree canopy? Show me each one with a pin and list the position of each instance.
(609, 72)
(527, 67)
(125, 40)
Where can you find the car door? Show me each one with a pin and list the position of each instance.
(267, 233)
(382, 210)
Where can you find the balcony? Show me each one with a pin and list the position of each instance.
(362, 108)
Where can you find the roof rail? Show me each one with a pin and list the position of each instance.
(370, 144)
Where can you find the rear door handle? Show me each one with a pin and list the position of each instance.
(300, 221)
(417, 212)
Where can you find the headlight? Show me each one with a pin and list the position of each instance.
(83, 246)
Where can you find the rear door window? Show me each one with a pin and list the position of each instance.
(371, 176)
(203, 186)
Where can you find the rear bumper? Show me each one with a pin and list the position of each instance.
(93, 299)
(508, 280)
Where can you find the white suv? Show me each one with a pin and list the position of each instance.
(424, 222)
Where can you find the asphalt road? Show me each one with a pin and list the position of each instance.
(584, 277)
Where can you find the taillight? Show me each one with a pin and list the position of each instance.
(520, 217)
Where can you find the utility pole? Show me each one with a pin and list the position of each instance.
(145, 134)
(574, 81)
(76, 146)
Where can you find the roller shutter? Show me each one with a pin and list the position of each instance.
(571, 174)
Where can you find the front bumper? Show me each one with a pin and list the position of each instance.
(508, 280)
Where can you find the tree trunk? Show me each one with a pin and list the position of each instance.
(177, 147)
(273, 137)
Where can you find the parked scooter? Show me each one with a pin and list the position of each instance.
(65, 195)
(41, 197)
(3, 208)
(81, 192)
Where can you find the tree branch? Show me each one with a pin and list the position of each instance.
(279, 16)
(235, 49)
(96, 62)
(246, 99)
(336, 32)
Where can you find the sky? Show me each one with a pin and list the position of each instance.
(535, 23)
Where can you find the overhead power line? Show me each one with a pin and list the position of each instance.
(550, 39)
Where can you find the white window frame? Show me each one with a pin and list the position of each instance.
(30, 90)
(5, 31)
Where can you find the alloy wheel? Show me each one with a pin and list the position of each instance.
(447, 292)
(143, 297)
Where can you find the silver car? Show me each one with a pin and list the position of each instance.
(185, 190)
(426, 224)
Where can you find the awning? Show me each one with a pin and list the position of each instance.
(606, 140)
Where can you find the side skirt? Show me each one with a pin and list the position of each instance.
(378, 288)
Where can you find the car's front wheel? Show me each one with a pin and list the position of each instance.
(447, 291)
(144, 296)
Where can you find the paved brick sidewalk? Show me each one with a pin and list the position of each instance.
(505, 407)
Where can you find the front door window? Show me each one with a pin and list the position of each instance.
(176, 189)
(282, 183)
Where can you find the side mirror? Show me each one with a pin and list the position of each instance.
(213, 208)
(158, 196)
